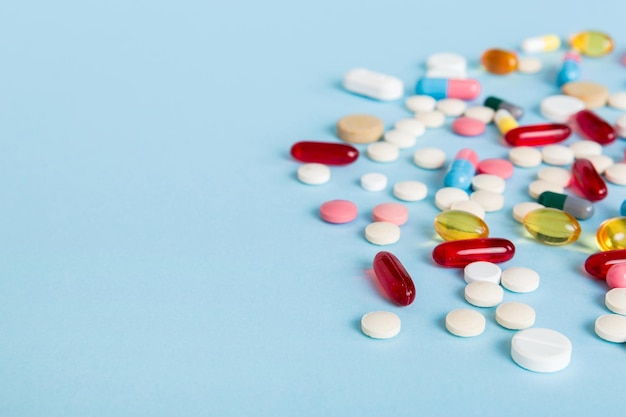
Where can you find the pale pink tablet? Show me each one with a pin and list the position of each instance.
(503, 168)
(338, 211)
(467, 126)
(616, 276)
(395, 213)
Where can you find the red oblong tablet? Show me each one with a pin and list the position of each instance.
(459, 253)
(394, 278)
(324, 152)
(538, 135)
(598, 264)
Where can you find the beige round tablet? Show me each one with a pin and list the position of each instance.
(611, 327)
(520, 210)
(383, 152)
(469, 206)
(528, 65)
(556, 175)
(413, 126)
(464, 322)
(380, 324)
(489, 200)
(410, 190)
(431, 119)
(515, 316)
(420, 103)
(314, 173)
(618, 100)
(537, 187)
(557, 155)
(616, 173)
(601, 162)
(594, 95)
(615, 300)
(525, 156)
(429, 158)
(451, 106)
(401, 138)
(483, 293)
(446, 196)
(360, 128)
(482, 113)
(520, 279)
(382, 233)
(585, 148)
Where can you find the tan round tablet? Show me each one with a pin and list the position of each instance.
(360, 128)
(464, 322)
(594, 95)
(380, 324)
(515, 316)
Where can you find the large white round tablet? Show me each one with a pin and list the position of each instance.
(556, 175)
(446, 196)
(618, 100)
(557, 155)
(314, 173)
(529, 65)
(382, 233)
(537, 187)
(383, 152)
(447, 61)
(429, 158)
(620, 126)
(560, 108)
(431, 119)
(611, 327)
(413, 126)
(488, 182)
(482, 113)
(601, 162)
(380, 324)
(483, 294)
(401, 138)
(525, 156)
(520, 210)
(373, 181)
(541, 350)
(616, 173)
(615, 300)
(469, 206)
(482, 271)
(585, 149)
(520, 279)
(420, 103)
(464, 322)
(451, 107)
(515, 316)
(410, 190)
(490, 201)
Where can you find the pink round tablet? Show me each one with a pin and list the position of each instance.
(467, 126)
(616, 276)
(394, 213)
(495, 166)
(338, 211)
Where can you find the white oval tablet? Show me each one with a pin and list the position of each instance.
(488, 182)
(490, 201)
(557, 155)
(560, 108)
(556, 175)
(373, 84)
(618, 100)
(420, 103)
(482, 271)
(482, 113)
(620, 126)
(401, 138)
(541, 350)
(373, 181)
(464, 322)
(469, 206)
(451, 107)
(380, 324)
(616, 173)
(483, 294)
(383, 152)
(515, 316)
(431, 119)
(585, 149)
(520, 210)
(314, 173)
(410, 190)
(601, 162)
(537, 187)
(611, 327)
(525, 156)
(615, 300)
(529, 65)
(413, 126)
(446, 196)
(447, 61)
(382, 233)
(429, 158)
(520, 279)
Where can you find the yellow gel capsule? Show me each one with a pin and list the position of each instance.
(592, 43)
(552, 226)
(611, 234)
(458, 225)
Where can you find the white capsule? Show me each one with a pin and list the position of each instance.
(373, 84)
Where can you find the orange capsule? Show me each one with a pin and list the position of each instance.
(499, 61)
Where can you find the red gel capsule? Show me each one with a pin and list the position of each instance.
(324, 153)
(587, 180)
(598, 264)
(593, 127)
(394, 278)
(538, 135)
(459, 253)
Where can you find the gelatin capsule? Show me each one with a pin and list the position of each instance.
(499, 61)
(545, 43)
(460, 225)
(461, 170)
(394, 279)
(552, 226)
(593, 127)
(587, 180)
(439, 88)
(570, 69)
(324, 153)
(538, 135)
(598, 264)
(496, 104)
(592, 43)
(460, 253)
(505, 121)
(611, 234)
(578, 207)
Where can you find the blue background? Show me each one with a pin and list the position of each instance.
(158, 256)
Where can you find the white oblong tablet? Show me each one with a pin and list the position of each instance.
(420, 103)
(515, 316)
(429, 158)
(556, 175)
(490, 201)
(525, 156)
(444, 73)
(382, 233)
(529, 65)
(520, 279)
(464, 322)
(488, 182)
(618, 100)
(537, 187)
(620, 126)
(431, 119)
(373, 84)
(413, 126)
(314, 173)
(520, 210)
(601, 162)
(615, 300)
(410, 190)
(585, 149)
(611, 327)
(482, 113)
(380, 324)
(616, 173)
(541, 350)
(446, 196)
(482, 271)
(451, 107)
(373, 181)
(447, 61)
(557, 155)
(483, 294)
(559, 108)
(383, 152)
(401, 138)
(469, 206)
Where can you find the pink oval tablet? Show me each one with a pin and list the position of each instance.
(616, 276)
(496, 166)
(338, 211)
(394, 213)
(467, 126)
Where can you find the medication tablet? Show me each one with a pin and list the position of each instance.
(555, 175)
(537, 187)
(557, 155)
(464, 322)
(447, 61)
(380, 325)
(520, 210)
(616, 173)
(618, 100)
(515, 316)
(314, 173)
(594, 95)
(483, 113)
(585, 149)
(611, 327)
(360, 128)
(401, 138)
(544, 43)
(482, 271)
(431, 119)
(338, 211)
(429, 158)
(525, 156)
(488, 182)
(413, 126)
(600, 162)
(451, 106)
(373, 84)
(560, 108)
(483, 294)
(373, 181)
(382, 233)
(446, 196)
(529, 65)
(490, 201)
(520, 279)
(616, 276)
(541, 350)
(495, 166)
(420, 103)
(410, 190)
(615, 300)
(394, 213)
(470, 207)
(468, 126)
(444, 73)
(620, 126)
(383, 152)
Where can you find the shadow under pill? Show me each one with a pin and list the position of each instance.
(356, 325)
(590, 327)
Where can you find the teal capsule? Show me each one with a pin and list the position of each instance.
(578, 207)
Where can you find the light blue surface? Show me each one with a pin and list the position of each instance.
(159, 257)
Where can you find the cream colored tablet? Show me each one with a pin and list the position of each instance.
(451, 107)
(446, 196)
(616, 173)
(482, 271)
(556, 175)
(380, 324)
(615, 300)
(482, 113)
(520, 279)
(617, 100)
(401, 138)
(525, 156)
(382, 233)
(410, 190)
(413, 126)
(470, 207)
(537, 187)
(488, 182)
(520, 210)
(557, 155)
(611, 327)
(490, 201)
(464, 322)
(314, 173)
(420, 103)
(515, 316)
(383, 152)
(429, 158)
(529, 65)
(431, 119)
(601, 162)
(585, 148)
(483, 294)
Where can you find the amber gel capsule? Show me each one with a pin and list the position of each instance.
(598, 264)
(588, 181)
(611, 234)
(499, 61)
(324, 153)
(460, 253)
(394, 278)
(538, 135)
(593, 127)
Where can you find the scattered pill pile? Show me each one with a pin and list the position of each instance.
(563, 194)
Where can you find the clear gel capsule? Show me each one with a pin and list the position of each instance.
(578, 207)
(496, 104)
(459, 225)
(570, 69)
(460, 253)
(538, 135)
(438, 88)
(552, 226)
(324, 153)
(394, 279)
(462, 170)
(505, 121)
(499, 61)
(545, 43)
(592, 43)
(593, 127)
(611, 234)
(598, 264)
(587, 180)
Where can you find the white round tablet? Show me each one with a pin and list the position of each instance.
(520, 279)
(557, 155)
(515, 316)
(488, 182)
(525, 156)
(382, 233)
(447, 61)
(616, 173)
(537, 187)
(420, 103)
(620, 126)
(541, 350)
(469, 206)
(601, 162)
(431, 119)
(314, 173)
(615, 300)
(373, 181)
(451, 107)
(410, 190)
(556, 175)
(482, 271)
(464, 322)
(490, 201)
(446, 196)
(618, 100)
(611, 327)
(560, 108)
(383, 152)
(529, 65)
(413, 126)
(585, 149)
(444, 73)
(520, 210)
(483, 294)
(380, 324)
(482, 113)
(429, 158)
(401, 138)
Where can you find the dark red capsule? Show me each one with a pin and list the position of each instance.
(394, 278)
(598, 264)
(459, 253)
(587, 180)
(538, 135)
(324, 153)
(593, 127)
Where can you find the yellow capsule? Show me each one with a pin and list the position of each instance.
(592, 43)
(611, 234)
(505, 121)
(552, 226)
(499, 61)
(458, 225)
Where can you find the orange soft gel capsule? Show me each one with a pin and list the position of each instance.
(499, 61)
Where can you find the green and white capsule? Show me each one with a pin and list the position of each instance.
(578, 207)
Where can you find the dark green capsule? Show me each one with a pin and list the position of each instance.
(578, 207)
(497, 103)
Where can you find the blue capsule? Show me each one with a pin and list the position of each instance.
(570, 69)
